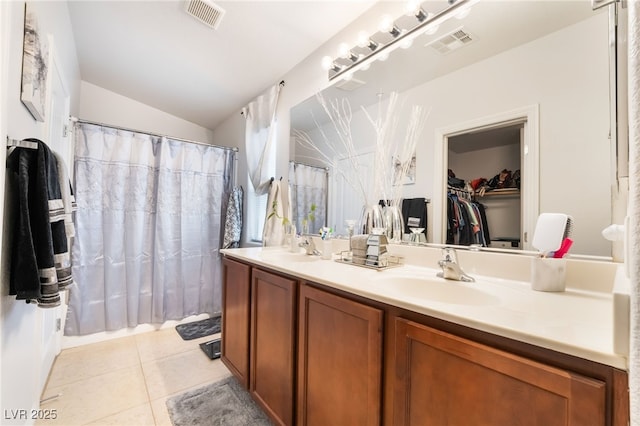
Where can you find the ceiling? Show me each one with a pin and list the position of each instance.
(157, 54)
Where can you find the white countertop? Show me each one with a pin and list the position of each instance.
(577, 321)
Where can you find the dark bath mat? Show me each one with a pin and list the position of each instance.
(194, 330)
(211, 348)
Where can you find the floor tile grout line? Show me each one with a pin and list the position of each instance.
(146, 388)
(146, 385)
(88, 349)
(49, 387)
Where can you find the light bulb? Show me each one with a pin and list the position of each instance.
(411, 7)
(343, 50)
(406, 43)
(432, 29)
(327, 62)
(386, 24)
(463, 12)
(383, 56)
(365, 66)
(363, 39)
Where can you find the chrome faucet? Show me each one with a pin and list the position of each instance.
(451, 269)
(309, 246)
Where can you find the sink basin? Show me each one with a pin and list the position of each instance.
(437, 290)
(284, 256)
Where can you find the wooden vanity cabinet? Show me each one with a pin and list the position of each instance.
(273, 331)
(339, 360)
(236, 303)
(443, 379)
(313, 355)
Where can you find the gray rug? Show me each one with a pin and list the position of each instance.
(224, 403)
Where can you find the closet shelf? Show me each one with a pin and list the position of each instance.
(505, 192)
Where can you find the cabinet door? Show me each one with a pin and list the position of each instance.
(272, 344)
(236, 298)
(339, 360)
(442, 379)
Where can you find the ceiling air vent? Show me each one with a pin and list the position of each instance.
(349, 85)
(451, 41)
(205, 11)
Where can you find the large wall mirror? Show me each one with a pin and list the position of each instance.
(528, 92)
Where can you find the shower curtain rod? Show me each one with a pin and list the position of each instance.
(95, 123)
(310, 165)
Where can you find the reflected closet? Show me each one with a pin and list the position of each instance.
(485, 168)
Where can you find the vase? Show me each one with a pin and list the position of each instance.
(370, 218)
(393, 223)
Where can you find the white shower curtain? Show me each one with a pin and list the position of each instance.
(148, 229)
(260, 132)
(308, 186)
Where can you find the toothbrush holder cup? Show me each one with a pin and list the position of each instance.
(548, 274)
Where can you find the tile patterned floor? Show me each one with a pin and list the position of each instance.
(126, 381)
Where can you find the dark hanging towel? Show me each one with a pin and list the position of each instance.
(414, 213)
(39, 252)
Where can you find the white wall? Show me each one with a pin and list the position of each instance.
(21, 349)
(103, 106)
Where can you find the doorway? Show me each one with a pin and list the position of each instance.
(489, 163)
(508, 141)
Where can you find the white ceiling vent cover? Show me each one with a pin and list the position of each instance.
(349, 85)
(205, 11)
(452, 41)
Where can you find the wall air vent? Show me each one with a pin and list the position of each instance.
(205, 11)
(349, 85)
(452, 41)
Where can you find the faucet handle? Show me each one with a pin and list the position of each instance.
(450, 255)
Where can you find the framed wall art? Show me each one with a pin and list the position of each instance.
(404, 172)
(35, 60)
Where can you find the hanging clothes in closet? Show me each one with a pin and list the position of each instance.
(40, 217)
(466, 220)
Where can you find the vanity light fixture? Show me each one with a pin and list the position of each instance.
(365, 42)
(392, 34)
(414, 8)
(345, 52)
(388, 26)
(329, 65)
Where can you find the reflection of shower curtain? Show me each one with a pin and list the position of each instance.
(148, 229)
(308, 186)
